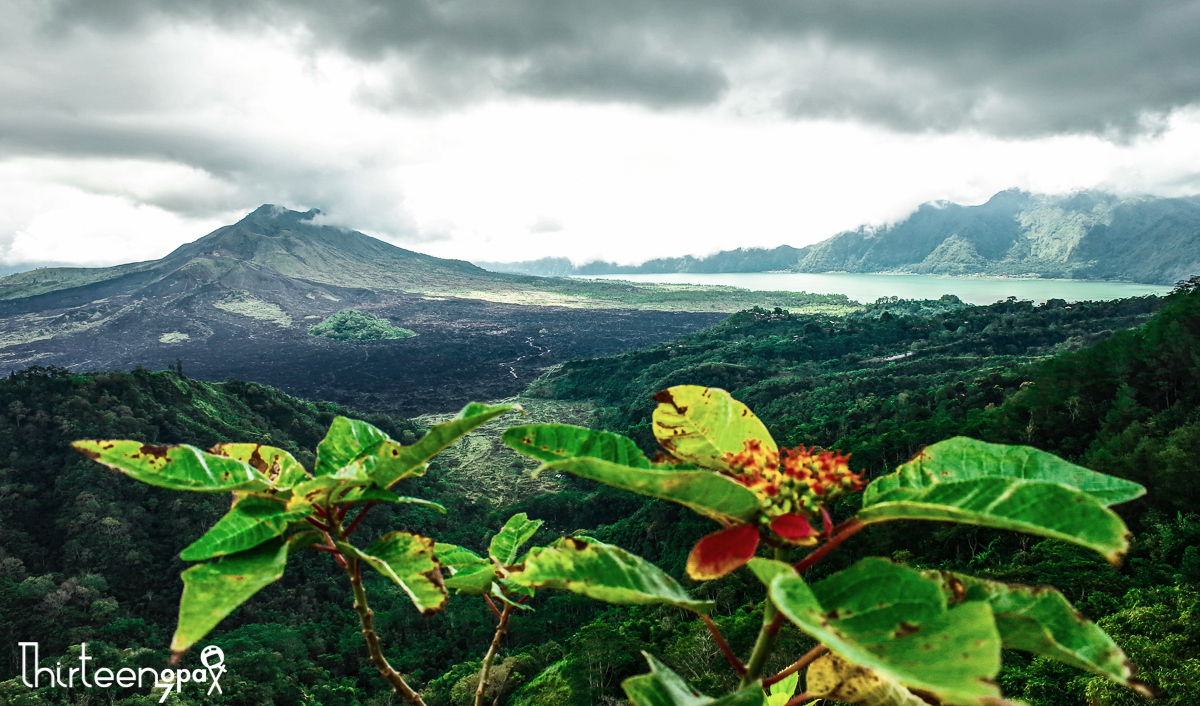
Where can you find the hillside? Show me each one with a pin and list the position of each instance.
(1089, 235)
(240, 300)
(1110, 384)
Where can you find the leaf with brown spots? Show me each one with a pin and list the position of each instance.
(278, 465)
(1041, 621)
(180, 467)
(703, 424)
(408, 560)
(604, 572)
(896, 623)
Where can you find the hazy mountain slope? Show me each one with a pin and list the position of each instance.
(739, 260)
(1088, 235)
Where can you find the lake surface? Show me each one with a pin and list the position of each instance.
(868, 288)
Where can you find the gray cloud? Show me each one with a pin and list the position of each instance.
(995, 65)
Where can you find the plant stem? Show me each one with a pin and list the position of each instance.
(848, 529)
(799, 699)
(797, 665)
(772, 621)
(358, 518)
(491, 654)
(729, 655)
(366, 618)
(318, 524)
(492, 605)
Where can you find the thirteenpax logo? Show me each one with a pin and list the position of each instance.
(211, 657)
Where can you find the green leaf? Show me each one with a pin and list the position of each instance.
(702, 424)
(1042, 621)
(555, 442)
(783, 690)
(962, 458)
(347, 441)
(1034, 507)
(248, 524)
(355, 449)
(375, 493)
(891, 619)
(276, 464)
(456, 557)
(403, 461)
(470, 574)
(604, 572)
(407, 559)
(662, 687)
(767, 569)
(175, 467)
(303, 540)
(322, 489)
(212, 591)
(710, 494)
(506, 545)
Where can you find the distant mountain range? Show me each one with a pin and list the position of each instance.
(1088, 235)
(240, 300)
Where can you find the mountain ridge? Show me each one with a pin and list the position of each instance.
(1083, 235)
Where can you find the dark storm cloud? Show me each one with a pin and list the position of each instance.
(1010, 68)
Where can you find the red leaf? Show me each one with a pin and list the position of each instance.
(794, 528)
(722, 552)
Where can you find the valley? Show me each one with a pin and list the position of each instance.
(239, 301)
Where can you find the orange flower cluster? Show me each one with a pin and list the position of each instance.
(795, 480)
(794, 485)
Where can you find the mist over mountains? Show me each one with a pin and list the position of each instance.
(1087, 235)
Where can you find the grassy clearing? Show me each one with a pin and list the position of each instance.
(246, 304)
(480, 467)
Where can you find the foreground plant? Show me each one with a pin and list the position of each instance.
(889, 634)
(280, 508)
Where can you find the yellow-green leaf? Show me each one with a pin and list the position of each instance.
(962, 458)
(506, 545)
(276, 464)
(555, 442)
(248, 524)
(403, 461)
(180, 467)
(604, 572)
(894, 621)
(702, 424)
(1034, 507)
(663, 687)
(1041, 621)
(212, 591)
(407, 559)
(710, 494)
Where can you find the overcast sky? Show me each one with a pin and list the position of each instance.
(615, 129)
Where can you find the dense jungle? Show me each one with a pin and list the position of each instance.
(88, 555)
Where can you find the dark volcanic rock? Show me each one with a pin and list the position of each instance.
(238, 303)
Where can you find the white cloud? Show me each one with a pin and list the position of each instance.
(120, 147)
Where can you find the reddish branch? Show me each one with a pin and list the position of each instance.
(492, 605)
(729, 655)
(319, 525)
(847, 529)
(799, 699)
(797, 665)
(359, 517)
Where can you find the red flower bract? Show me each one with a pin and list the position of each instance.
(721, 552)
(794, 486)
